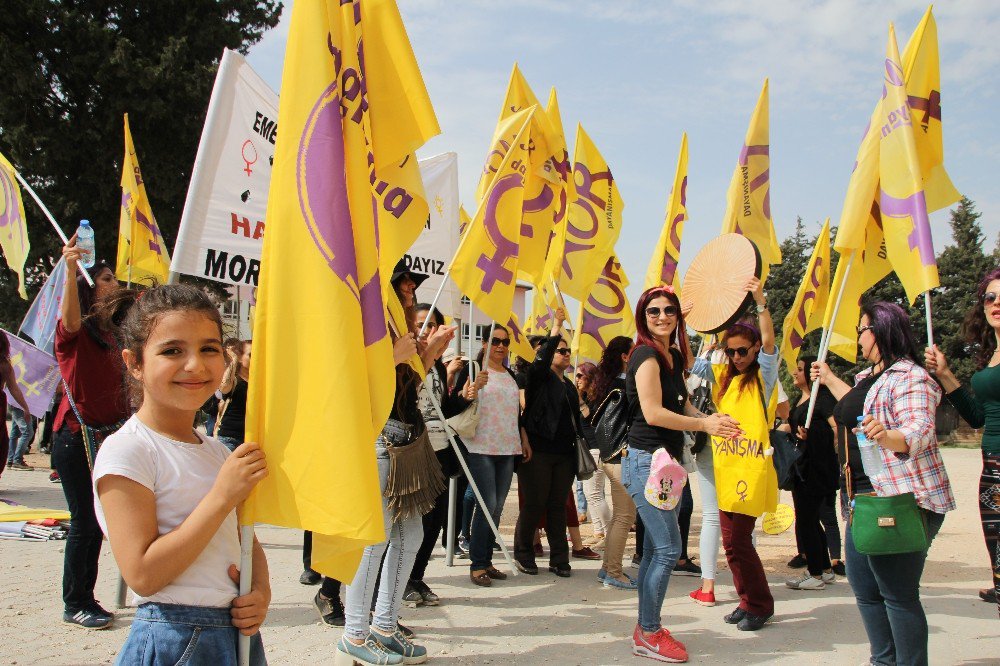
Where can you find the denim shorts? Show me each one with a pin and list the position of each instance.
(169, 635)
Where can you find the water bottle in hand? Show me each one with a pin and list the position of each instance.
(871, 454)
(85, 243)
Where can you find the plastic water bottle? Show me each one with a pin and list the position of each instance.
(871, 456)
(85, 243)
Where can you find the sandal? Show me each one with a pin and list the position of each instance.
(482, 578)
(495, 573)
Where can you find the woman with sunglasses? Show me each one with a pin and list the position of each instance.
(495, 449)
(981, 407)
(551, 421)
(662, 411)
(893, 403)
(745, 384)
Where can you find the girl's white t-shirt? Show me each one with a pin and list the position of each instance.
(180, 475)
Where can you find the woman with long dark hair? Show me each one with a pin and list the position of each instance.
(896, 400)
(377, 639)
(9, 381)
(980, 407)
(94, 406)
(231, 423)
(593, 488)
(662, 411)
(610, 377)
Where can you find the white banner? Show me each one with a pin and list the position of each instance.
(436, 245)
(222, 228)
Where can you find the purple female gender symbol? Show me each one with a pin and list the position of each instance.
(322, 186)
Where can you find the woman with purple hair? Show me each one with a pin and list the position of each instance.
(893, 404)
(981, 407)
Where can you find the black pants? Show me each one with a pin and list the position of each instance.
(809, 531)
(436, 520)
(83, 543)
(545, 481)
(686, 508)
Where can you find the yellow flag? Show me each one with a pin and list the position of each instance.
(463, 220)
(542, 182)
(748, 201)
(485, 265)
(142, 253)
(557, 238)
(543, 307)
(905, 222)
(808, 308)
(594, 222)
(13, 224)
(663, 265)
(320, 270)
(604, 314)
(922, 73)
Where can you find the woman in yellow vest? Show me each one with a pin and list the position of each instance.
(744, 388)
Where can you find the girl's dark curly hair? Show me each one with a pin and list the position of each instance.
(976, 328)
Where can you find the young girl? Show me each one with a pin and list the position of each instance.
(166, 495)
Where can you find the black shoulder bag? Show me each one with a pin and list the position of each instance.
(787, 453)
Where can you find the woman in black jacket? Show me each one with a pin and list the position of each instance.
(551, 420)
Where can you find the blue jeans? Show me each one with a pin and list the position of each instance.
(22, 429)
(581, 497)
(661, 544)
(403, 539)
(887, 591)
(468, 508)
(231, 443)
(168, 634)
(492, 475)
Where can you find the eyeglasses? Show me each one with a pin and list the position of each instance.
(654, 312)
(500, 341)
(862, 329)
(739, 351)
(563, 350)
(989, 298)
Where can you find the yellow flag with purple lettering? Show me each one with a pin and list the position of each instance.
(748, 201)
(604, 314)
(543, 308)
(142, 253)
(905, 222)
(557, 237)
(333, 195)
(13, 224)
(485, 264)
(663, 265)
(808, 308)
(594, 219)
(922, 73)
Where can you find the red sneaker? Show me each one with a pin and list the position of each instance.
(661, 646)
(703, 598)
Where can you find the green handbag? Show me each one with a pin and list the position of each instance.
(888, 525)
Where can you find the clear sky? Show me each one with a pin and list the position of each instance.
(638, 73)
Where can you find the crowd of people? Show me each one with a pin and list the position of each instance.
(653, 415)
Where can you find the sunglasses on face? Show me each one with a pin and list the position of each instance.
(654, 312)
(579, 375)
(989, 298)
(862, 329)
(563, 350)
(738, 351)
(500, 341)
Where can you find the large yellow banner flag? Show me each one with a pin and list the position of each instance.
(663, 264)
(604, 314)
(322, 350)
(142, 253)
(922, 73)
(594, 219)
(905, 222)
(485, 265)
(13, 224)
(748, 200)
(808, 308)
(557, 238)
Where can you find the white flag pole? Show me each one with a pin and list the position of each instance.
(824, 346)
(930, 324)
(55, 225)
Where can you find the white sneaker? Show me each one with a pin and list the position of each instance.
(805, 582)
(829, 577)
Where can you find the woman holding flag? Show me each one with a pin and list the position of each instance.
(893, 404)
(661, 412)
(981, 407)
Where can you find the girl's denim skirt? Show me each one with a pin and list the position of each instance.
(173, 635)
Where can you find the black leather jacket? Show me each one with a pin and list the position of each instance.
(545, 395)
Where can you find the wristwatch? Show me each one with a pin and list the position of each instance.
(761, 307)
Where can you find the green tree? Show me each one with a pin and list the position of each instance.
(72, 69)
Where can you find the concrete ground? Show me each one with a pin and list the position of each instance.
(533, 619)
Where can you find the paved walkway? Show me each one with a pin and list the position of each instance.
(533, 619)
